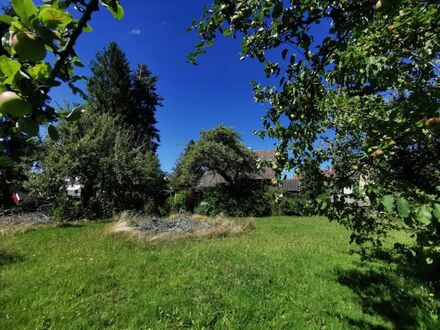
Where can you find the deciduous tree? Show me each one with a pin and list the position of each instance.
(220, 151)
(362, 94)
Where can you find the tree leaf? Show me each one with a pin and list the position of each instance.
(227, 32)
(403, 207)
(54, 17)
(25, 9)
(88, 28)
(41, 71)
(114, 8)
(53, 133)
(5, 161)
(388, 202)
(28, 126)
(424, 215)
(74, 115)
(6, 19)
(436, 211)
(9, 68)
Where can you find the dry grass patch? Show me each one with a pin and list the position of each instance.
(15, 229)
(177, 227)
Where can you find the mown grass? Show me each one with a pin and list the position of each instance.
(288, 273)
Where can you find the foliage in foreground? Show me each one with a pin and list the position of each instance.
(27, 72)
(289, 273)
(365, 98)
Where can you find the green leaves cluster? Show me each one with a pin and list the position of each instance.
(30, 32)
(114, 175)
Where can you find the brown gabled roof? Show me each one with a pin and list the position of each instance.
(265, 154)
(211, 179)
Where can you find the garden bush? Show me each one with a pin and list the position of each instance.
(241, 200)
(67, 209)
(292, 204)
(183, 200)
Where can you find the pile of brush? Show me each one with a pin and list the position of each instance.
(178, 226)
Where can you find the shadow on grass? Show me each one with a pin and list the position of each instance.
(393, 296)
(7, 257)
(69, 225)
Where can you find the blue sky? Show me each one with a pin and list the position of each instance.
(195, 97)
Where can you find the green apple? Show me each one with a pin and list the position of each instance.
(433, 121)
(13, 104)
(383, 4)
(28, 46)
(378, 153)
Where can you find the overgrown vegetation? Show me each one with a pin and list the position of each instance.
(220, 151)
(239, 200)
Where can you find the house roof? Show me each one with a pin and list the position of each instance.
(211, 178)
(265, 154)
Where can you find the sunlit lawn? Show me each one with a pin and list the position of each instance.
(289, 273)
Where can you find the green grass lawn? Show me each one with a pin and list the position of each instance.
(289, 273)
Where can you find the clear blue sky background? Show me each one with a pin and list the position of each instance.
(195, 97)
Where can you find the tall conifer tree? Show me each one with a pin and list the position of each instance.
(132, 96)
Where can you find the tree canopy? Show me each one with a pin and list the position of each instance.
(364, 98)
(218, 150)
(115, 89)
(109, 149)
(114, 176)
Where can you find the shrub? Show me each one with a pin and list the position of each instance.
(67, 209)
(184, 200)
(241, 200)
(296, 204)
